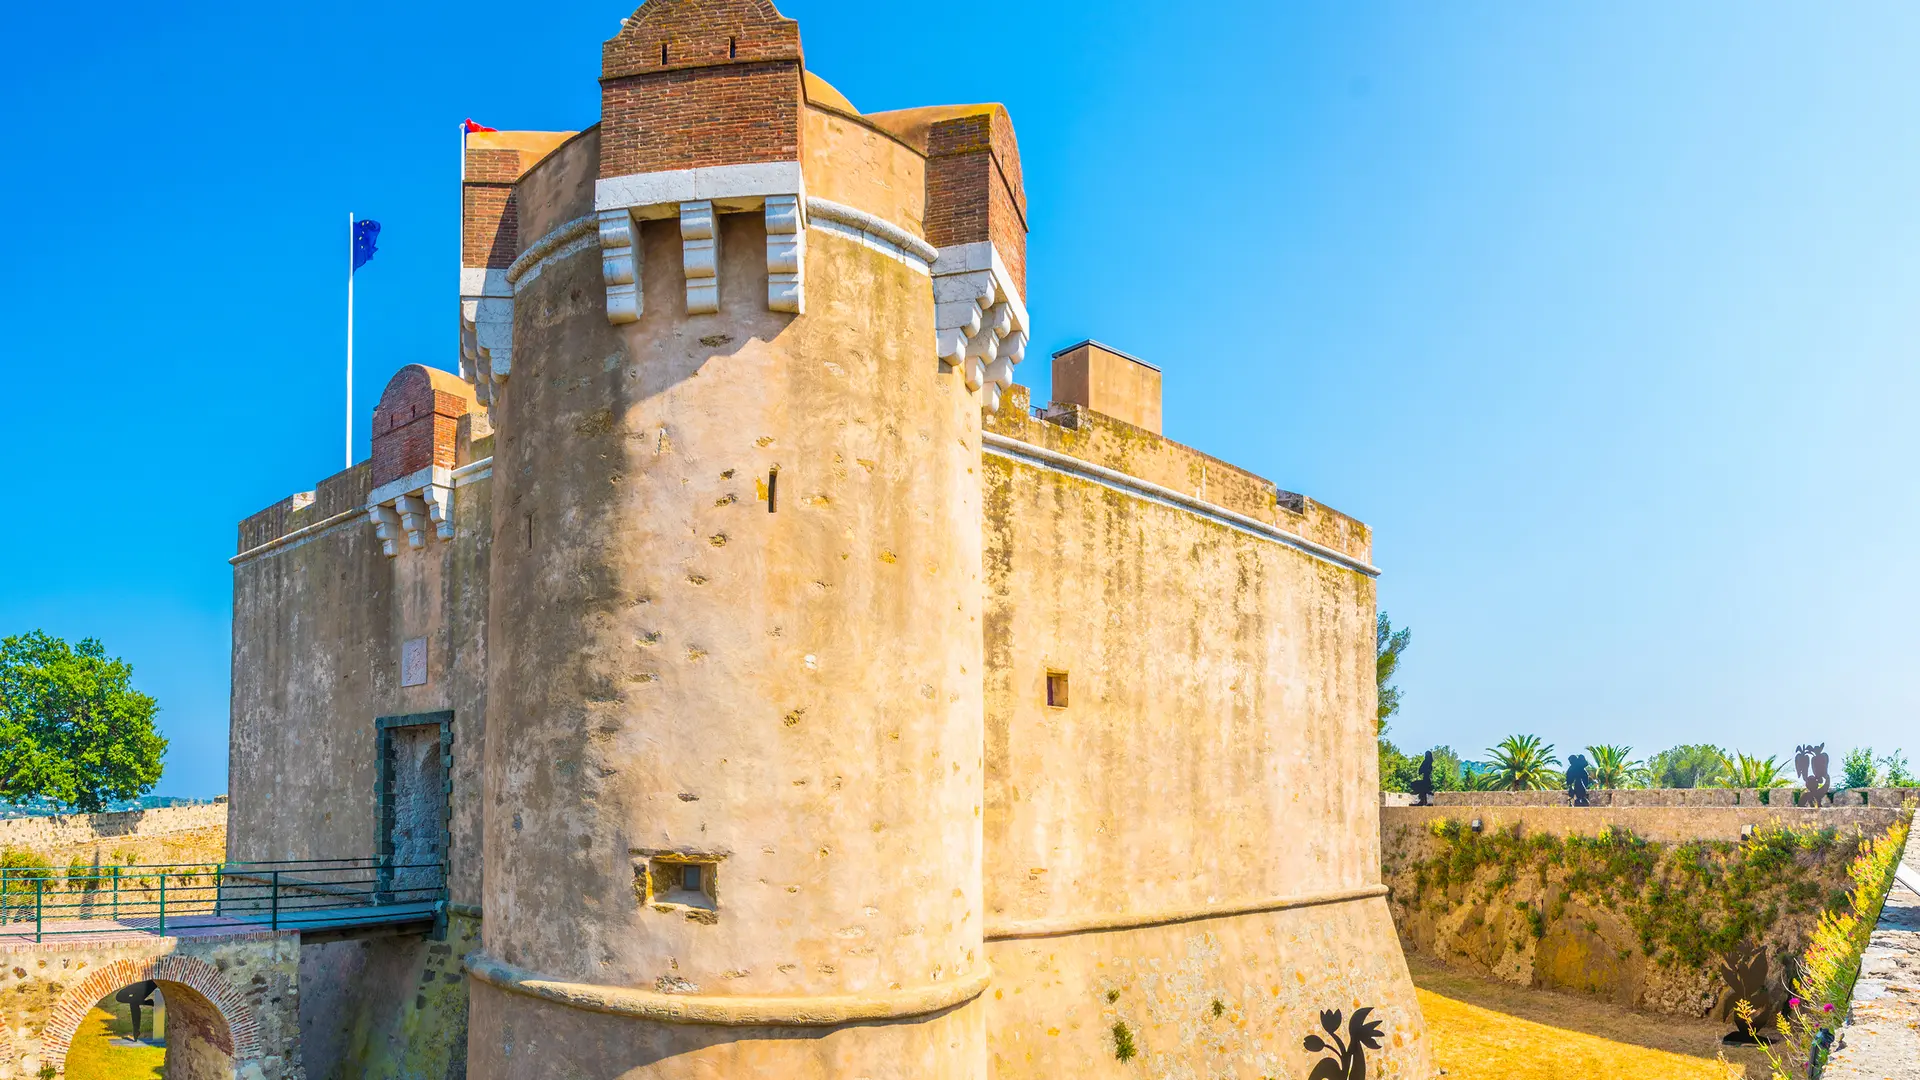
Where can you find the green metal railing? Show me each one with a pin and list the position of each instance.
(172, 897)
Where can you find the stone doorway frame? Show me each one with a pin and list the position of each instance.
(383, 793)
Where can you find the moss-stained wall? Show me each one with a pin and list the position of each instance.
(1648, 907)
(1153, 842)
(387, 1008)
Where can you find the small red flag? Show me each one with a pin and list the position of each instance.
(473, 127)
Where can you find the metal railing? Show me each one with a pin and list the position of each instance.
(236, 896)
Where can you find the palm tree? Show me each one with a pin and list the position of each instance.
(1753, 772)
(1614, 768)
(1523, 763)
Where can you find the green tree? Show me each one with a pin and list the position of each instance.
(1897, 772)
(1397, 770)
(1388, 645)
(1449, 772)
(72, 729)
(1754, 772)
(1687, 766)
(1859, 769)
(1614, 767)
(1523, 763)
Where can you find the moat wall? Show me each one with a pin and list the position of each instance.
(1641, 905)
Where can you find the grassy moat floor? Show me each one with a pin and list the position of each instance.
(1484, 1029)
(94, 1057)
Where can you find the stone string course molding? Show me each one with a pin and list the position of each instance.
(1017, 930)
(728, 1010)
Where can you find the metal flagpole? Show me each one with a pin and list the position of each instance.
(349, 339)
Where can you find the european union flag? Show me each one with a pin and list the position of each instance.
(365, 233)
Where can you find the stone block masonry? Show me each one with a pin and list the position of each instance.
(174, 834)
(233, 1001)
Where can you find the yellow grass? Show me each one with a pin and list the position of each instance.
(94, 1058)
(1485, 1029)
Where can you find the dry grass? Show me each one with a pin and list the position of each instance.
(1481, 1029)
(93, 1057)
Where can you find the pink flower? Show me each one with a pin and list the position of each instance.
(1793, 1002)
(1826, 1008)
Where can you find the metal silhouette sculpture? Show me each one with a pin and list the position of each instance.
(1811, 763)
(1423, 787)
(1350, 1057)
(1577, 779)
(136, 997)
(1746, 976)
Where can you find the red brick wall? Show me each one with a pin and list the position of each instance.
(692, 83)
(974, 190)
(414, 426)
(698, 33)
(490, 226)
(691, 118)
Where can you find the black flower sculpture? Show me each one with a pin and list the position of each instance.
(1351, 1064)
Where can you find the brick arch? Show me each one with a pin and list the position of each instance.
(189, 971)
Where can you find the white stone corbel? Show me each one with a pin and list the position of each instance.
(786, 254)
(700, 256)
(486, 330)
(410, 507)
(980, 322)
(697, 198)
(386, 527)
(413, 519)
(621, 265)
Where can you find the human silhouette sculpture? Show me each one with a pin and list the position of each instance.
(1423, 787)
(1577, 779)
(1811, 763)
(134, 998)
(1746, 977)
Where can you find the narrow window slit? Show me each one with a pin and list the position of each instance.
(663, 52)
(773, 491)
(733, 48)
(1057, 689)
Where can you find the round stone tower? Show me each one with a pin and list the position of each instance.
(733, 766)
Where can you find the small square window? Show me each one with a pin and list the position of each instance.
(678, 881)
(1057, 689)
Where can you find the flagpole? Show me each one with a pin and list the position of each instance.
(349, 339)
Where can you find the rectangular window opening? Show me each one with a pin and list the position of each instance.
(1057, 689)
(773, 491)
(674, 880)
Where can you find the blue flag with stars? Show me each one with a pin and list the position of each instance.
(365, 233)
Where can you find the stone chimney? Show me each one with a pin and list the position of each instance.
(1108, 382)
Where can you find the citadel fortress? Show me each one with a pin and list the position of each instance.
(783, 694)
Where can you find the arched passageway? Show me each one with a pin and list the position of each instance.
(208, 1025)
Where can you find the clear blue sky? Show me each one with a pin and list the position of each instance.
(1602, 315)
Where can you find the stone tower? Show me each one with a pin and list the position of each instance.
(735, 588)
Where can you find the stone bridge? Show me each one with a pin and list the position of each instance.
(232, 999)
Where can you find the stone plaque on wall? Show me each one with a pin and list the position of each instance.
(413, 662)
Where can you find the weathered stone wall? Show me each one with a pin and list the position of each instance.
(1157, 834)
(387, 1008)
(231, 1001)
(171, 834)
(1645, 906)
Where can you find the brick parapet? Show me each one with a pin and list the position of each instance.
(692, 118)
(671, 35)
(415, 426)
(974, 187)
